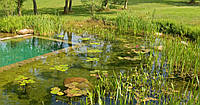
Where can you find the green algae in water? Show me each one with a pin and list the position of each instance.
(13, 51)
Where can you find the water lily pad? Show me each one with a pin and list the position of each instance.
(60, 67)
(85, 39)
(60, 93)
(95, 43)
(76, 86)
(129, 58)
(94, 51)
(61, 36)
(92, 59)
(55, 90)
(75, 92)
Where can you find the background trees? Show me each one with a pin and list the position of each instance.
(192, 1)
(68, 6)
(34, 7)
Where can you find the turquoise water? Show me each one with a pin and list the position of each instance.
(16, 50)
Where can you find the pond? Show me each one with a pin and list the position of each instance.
(13, 51)
(76, 52)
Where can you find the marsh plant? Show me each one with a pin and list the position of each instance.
(41, 24)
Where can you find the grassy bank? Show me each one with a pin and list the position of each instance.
(41, 24)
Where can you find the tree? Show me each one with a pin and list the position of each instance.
(126, 4)
(192, 1)
(70, 5)
(66, 7)
(19, 5)
(35, 7)
(105, 3)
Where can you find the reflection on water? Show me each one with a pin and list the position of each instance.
(39, 92)
(16, 50)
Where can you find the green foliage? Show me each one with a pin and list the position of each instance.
(174, 28)
(60, 67)
(23, 81)
(92, 5)
(56, 90)
(41, 24)
(94, 51)
(92, 59)
(8, 7)
(85, 39)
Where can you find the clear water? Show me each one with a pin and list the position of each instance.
(16, 50)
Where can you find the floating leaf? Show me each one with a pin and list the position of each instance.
(60, 67)
(85, 39)
(61, 36)
(92, 59)
(94, 51)
(55, 90)
(95, 43)
(60, 93)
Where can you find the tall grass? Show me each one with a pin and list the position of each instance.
(41, 24)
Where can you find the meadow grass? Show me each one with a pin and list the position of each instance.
(176, 10)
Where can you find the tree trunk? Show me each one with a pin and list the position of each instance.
(19, 7)
(106, 4)
(192, 1)
(66, 7)
(126, 4)
(70, 5)
(35, 7)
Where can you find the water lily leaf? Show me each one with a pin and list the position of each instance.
(54, 91)
(61, 36)
(85, 39)
(94, 51)
(60, 93)
(95, 43)
(92, 59)
(56, 88)
(30, 81)
(120, 58)
(22, 84)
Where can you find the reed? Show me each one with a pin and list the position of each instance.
(41, 24)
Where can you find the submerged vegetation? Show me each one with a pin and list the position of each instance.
(123, 59)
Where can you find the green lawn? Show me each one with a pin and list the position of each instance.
(176, 10)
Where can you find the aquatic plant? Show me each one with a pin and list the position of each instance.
(23, 81)
(60, 67)
(61, 36)
(56, 90)
(95, 43)
(41, 24)
(84, 39)
(92, 59)
(94, 51)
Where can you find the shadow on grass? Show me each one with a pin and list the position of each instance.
(169, 2)
(76, 11)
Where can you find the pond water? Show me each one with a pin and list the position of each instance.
(75, 55)
(116, 54)
(16, 50)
